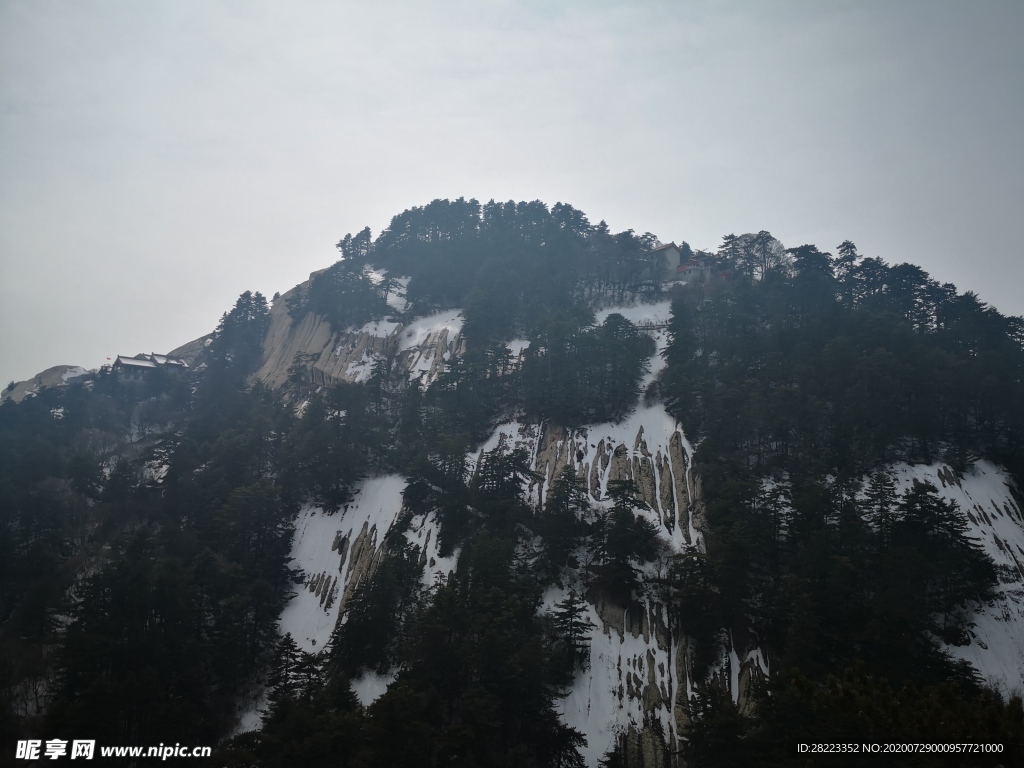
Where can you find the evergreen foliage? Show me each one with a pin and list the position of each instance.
(238, 341)
(818, 370)
(579, 376)
(343, 293)
(378, 615)
(562, 527)
(571, 627)
(620, 542)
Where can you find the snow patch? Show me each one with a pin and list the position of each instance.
(419, 331)
(370, 686)
(639, 314)
(251, 716)
(376, 276)
(396, 297)
(643, 437)
(629, 674)
(995, 520)
(423, 533)
(323, 548)
(360, 370)
(382, 329)
(155, 471)
(625, 669)
(517, 347)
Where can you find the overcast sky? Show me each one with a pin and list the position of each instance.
(158, 158)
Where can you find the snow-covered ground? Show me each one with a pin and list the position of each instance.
(396, 298)
(382, 329)
(73, 373)
(360, 370)
(517, 346)
(418, 331)
(334, 552)
(645, 435)
(330, 549)
(994, 519)
(251, 713)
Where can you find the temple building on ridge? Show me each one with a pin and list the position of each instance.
(141, 363)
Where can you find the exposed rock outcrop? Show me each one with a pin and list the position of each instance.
(57, 376)
(192, 352)
(326, 356)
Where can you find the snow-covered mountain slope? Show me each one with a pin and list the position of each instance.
(638, 681)
(336, 552)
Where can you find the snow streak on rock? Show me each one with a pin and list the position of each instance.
(628, 682)
(426, 345)
(335, 552)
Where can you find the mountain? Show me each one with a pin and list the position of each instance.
(503, 487)
(51, 377)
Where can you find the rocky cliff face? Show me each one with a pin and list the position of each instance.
(421, 347)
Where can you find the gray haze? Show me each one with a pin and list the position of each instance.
(158, 158)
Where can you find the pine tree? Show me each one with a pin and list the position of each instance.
(880, 506)
(572, 625)
(285, 683)
(561, 526)
(238, 340)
